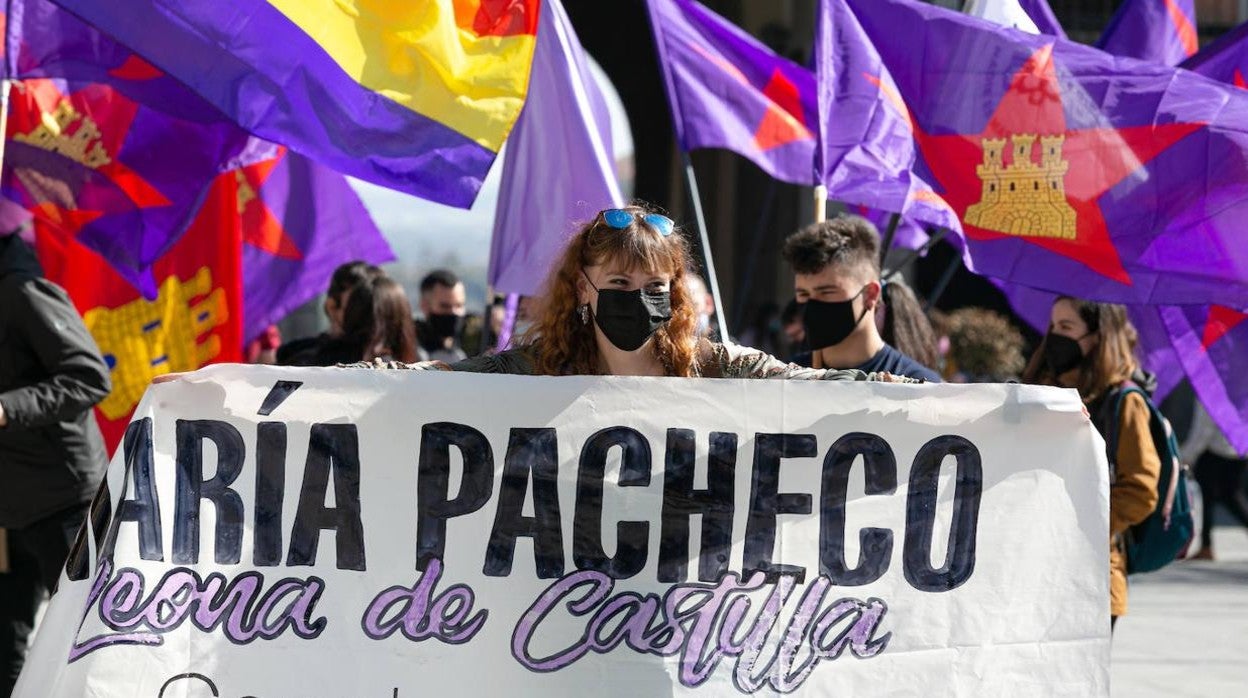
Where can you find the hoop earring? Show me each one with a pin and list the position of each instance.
(585, 314)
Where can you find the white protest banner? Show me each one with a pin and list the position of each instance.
(343, 532)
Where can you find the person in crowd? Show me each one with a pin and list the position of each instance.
(51, 453)
(1221, 472)
(617, 303)
(904, 325)
(836, 265)
(442, 303)
(791, 326)
(984, 347)
(376, 324)
(263, 349)
(704, 303)
(1092, 347)
(764, 332)
(304, 352)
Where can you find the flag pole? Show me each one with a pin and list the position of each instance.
(911, 255)
(821, 203)
(712, 281)
(890, 232)
(943, 283)
(4, 117)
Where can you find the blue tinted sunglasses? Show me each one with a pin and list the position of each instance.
(620, 219)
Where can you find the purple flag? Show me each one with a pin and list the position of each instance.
(910, 234)
(1162, 31)
(131, 201)
(559, 169)
(122, 178)
(300, 220)
(727, 90)
(1062, 167)
(1225, 60)
(1211, 342)
(415, 96)
(1033, 16)
(1043, 16)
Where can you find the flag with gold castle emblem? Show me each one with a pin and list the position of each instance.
(415, 96)
(98, 166)
(194, 319)
(1062, 167)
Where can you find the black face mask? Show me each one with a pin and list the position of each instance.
(828, 324)
(629, 318)
(1061, 353)
(445, 325)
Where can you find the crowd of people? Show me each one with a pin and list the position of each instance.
(623, 299)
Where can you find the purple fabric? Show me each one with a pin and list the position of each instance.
(1043, 16)
(1164, 228)
(13, 216)
(559, 170)
(510, 312)
(43, 41)
(1148, 30)
(325, 220)
(254, 65)
(1211, 343)
(1225, 60)
(910, 234)
(135, 206)
(727, 90)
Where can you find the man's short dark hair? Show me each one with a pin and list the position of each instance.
(845, 240)
(438, 277)
(347, 276)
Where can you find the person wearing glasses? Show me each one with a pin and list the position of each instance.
(617, 303)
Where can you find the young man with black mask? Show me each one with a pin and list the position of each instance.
(442, 300)
(837, 285)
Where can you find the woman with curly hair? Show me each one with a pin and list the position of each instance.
(616, 303)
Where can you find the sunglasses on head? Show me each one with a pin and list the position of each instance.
(620, 219)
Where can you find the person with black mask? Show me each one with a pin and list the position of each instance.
(313, 351)
(1091, 347)
(52, 456)
(442, 302)
(837, 285)
(616, 303)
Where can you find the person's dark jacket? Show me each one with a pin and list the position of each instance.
(51, 453)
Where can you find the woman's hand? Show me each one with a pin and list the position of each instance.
(169, 377)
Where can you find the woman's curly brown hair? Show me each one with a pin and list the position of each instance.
(561, 344)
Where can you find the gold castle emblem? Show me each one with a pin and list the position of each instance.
(143, 339)
(53, 134)
(1026, 198)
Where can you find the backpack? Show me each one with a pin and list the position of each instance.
(1166, 534)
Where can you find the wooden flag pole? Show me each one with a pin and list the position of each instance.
(821, 203)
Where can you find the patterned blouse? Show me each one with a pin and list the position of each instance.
(715, 361)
